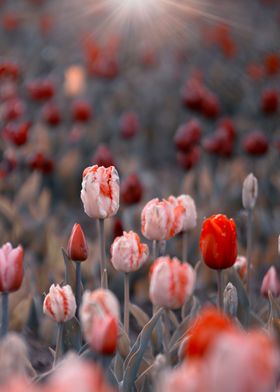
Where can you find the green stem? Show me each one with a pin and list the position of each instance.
(126, 303)
(103, 269)
(58, 350)
(155, 249)
(220, 289)
(249, 253)
(78, 287)
(5, 314)
(185, 246)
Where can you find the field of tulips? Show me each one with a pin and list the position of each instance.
(139, 196)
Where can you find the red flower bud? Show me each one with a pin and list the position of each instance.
(77, 245)
(11, 271)
(40, 162)
(131, 190)
(187, 160)
(17, 133)
(13, 109)
(218, 242)
(192, 94)
(117, 228)
(103, 157)
(227, 124)
(210, 105)
(272, 63)
(270, 101)
(51, 114)
(81, 111)
(41, 90)
(255, 143)
(187, 135)
(9, 70)
(129, 125)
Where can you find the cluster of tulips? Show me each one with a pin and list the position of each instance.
(213, 350)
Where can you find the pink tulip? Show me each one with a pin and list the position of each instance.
(100, 191)
(60, 303)
(172, 283)
(128, 254)
(161, 220)
(240, 266)
(99, 315)
(11, 270)
(270, 283)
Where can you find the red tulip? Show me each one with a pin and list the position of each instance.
(218, 242)
(192, 94)
(117, 228)
(103, 157)
(81, 111)
(41, 163)
(129, 125)
(272, 63)
(210, 106)
(270, 101)
(11, 271)
(187, 160)
(187, 135)
(227, 124)
(255, 143)
(41, 90)
(13, 109)
(17, 133)
(131, 190)
(77, 245)
(51, 114)
(9, 70)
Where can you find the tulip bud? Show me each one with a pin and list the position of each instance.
(172, 283)
(100, 191)
(11, 270)
(249, 192)
(131, 190)
(60, 303)
(218, 242)
(161, 220)
(99, 315)
(77, 246)
(270, 283)
(230, 300)
(240, 266)
(189, 215)
(128, 254)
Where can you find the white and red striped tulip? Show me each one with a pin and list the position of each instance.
(60, 303)
(189, 213)
(171, 282)
(100, 192)
(161, 220)
(128, 254)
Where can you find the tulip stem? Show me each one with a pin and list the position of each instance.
(126, 302)
(58, 349)
(249, 252)
(220, 289)
(78, 287)
(103, 269)
(185, 246)
(155, 249)
(5, 314)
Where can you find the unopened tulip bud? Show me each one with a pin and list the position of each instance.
(172, 282)
(77, 246)
(60, 303)
(128, 254)
(100, 191)
(250, 192)
(230, 300)
(161, 220)
(241, 266)
(99, 315)
(11, 270)
(271, 283)
(189, 214)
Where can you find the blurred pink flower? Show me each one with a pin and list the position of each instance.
(271, 283)
(11, 269)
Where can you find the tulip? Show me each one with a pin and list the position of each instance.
(11, 275)
(128, 255)
(187, 160)
(39, 161)
(204, 330)
(270, 283)
(129, 125)
(131, 190)
(59, 303)
(218, 245)
(77, 251)
(103, 156)
(242, 362)
(256, 143)
(81, 111)
(270, 101)
(240, 266)
(187, 135)
(99, 315)
(161, 220)
(189, 218)
(51, 114)
(100, 195)
(41, 90)
(171, 282)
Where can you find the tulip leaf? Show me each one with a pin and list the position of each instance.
(179, 333)
(118, 367)
(72, 337)
(141, 317)
(135, 357)
(243, 302)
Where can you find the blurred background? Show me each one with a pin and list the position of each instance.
(181, 96)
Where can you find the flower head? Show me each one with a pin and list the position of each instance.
(250, 192)
(189, 214)
(60, 303)
(171, 283)
(271, 283)
(100, 191)
(128, 254)
(77, 246)
(218, 242)
(11, 270)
